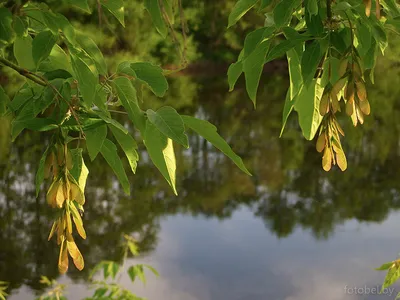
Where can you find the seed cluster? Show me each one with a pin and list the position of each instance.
(66, 195)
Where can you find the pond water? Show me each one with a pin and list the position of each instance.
(289, 232)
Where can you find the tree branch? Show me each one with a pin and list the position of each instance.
(41, 81)
(329, 9)
(24, 72)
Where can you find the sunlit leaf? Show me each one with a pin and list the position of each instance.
(241, 7)
(307, 106)
(116, 7)
(161, 152)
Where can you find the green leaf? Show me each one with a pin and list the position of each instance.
(93, 51)
(42, 45)
(18, 124)
(161, 152)
(314, 24)
(392, 7)
(95, 139)
(280, 49)
(385, 266)
(209, 132)
(295, 85)
(364, 38)
(330, 69)
(23, 52)
(234, 72)
(312, 7)
(86, 79)
(6, 30)
(22, 97)
(310, 61)
(283, 12)
(82, 4)
(154, 271)
(132, 273)
(170, 123)
(241, 7)
(40, 172)
(114, 269)
(265, 3)
(154, 10)
(294, 72)
(391, 277)
(125, 68)
(109, 152)
(38, 124)
(341, 6)
(128, 144)
(111, 121)
(152, 76)
(116, 7)
(254, 38)
(100, 292)
(127, 95)
(57, 59)
(287, 109)
(307, 107)
(252, 67)
(79, 170)
(86, 123)
(20, 26)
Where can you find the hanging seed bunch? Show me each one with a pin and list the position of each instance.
(65, 195)
(351, 87)
(355, 93)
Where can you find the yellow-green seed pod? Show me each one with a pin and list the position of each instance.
(324, 105)
(52, 194)
(361, 90)
(365, 107)
(321, 142)
(327, 159)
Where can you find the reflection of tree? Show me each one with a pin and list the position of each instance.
(288, 188)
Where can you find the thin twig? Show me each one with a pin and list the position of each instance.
(99, 12)
(41, 81)
(184, 30)
(24, 72)
(171, 29)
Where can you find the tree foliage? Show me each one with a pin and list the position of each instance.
(70, 93)
(331, 49)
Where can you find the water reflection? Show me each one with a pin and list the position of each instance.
(211, 241)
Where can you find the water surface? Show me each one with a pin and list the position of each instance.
(291, 231)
